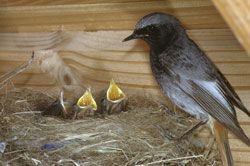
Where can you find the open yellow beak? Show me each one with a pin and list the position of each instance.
(114, 93)
(87, 100)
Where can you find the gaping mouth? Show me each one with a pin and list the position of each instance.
(114, 93)
(87, 100)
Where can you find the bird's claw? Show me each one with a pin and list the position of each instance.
(164, 107)
(167, 134)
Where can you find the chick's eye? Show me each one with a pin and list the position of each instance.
(151, 28)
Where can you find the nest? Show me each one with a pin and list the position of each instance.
(128, 138)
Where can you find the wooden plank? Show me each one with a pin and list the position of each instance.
(142, 56)
(56, 2)
(241, 158)
(228, 56)
(236, 13)
(124, 71)
(182, 3)
(101, 15)
(103, 53)
(207, 39)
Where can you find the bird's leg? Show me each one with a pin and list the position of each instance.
(171, 138)
(192, 129)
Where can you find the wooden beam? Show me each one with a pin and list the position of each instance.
(237, 15)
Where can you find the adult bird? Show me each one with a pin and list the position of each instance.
(190, 79)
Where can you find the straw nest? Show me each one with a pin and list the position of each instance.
(128, 138)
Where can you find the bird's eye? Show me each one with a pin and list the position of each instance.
(151, 29)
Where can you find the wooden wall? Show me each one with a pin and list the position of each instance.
(85, 37)
(237, 15)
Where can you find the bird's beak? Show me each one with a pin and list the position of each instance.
(132, 36)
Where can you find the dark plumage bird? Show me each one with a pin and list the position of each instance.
(189, 78)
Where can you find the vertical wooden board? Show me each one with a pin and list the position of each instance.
(236, 14)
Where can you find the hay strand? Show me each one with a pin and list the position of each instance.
(128, 138)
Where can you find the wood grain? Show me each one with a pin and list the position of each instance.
(56, 2)
(236, 13)
(37, 16)
(96, 57)
(208, 39)
(103, 53)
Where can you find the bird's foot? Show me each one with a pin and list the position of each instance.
(168, 134)
(165, 108)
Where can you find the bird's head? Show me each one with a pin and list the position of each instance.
(157, 29)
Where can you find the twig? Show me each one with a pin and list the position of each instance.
(91, 146)
(174, 159)
(118, 149)
(143, 141)
(68, 160)
(11, 74)
(16, 151)
(33, 112)
(37, 162)
(11, 160)
(164, 133)
(30, 110)
(59, 149)
(20, 101)
(209, 148)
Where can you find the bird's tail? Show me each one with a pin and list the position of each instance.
(221, 135)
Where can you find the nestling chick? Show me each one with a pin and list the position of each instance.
(114, 101)
(87, 105)
(59, 108)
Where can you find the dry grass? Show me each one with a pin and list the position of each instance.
(129, 138)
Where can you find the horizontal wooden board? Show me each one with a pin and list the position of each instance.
(39, 16)
(86, 66)
(103, 53)
(241, 158)
(182, 3)
(208, 39)
(56, 2)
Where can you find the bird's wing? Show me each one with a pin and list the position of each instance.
(212, 100)
(210, 95)
(203, 70)
(230, 93)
